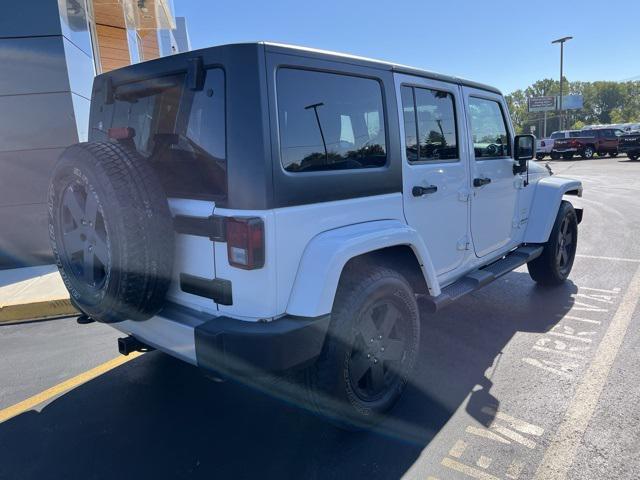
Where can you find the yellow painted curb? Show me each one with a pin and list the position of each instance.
(37, 310)
(61, 388)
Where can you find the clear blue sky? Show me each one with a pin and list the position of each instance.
(505, 43)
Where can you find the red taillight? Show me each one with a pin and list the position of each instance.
(245, 242)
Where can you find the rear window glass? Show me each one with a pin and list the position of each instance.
(329, 121)
(180, 131)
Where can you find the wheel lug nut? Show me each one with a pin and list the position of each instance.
(379, 337)
(372, 340)
(368, 355)
(382, 349)
(375, 360)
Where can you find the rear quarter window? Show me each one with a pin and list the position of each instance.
(329, 121)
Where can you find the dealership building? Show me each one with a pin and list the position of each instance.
(50, 50)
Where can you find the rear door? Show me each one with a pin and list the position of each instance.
(495, 190)
(435, 167)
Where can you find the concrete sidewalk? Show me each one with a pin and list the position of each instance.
(33, 293)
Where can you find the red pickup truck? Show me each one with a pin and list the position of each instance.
(602, 141)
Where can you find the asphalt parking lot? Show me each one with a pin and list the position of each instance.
(514, 381)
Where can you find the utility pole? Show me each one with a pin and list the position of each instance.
(561, 42)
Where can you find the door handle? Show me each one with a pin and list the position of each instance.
(479, 182)
(419, 191)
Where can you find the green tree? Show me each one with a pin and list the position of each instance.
(603, 102)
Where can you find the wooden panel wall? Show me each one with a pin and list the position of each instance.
(113, 47)
(150, 47)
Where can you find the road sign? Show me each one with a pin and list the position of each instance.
(541, 104)
(571, 102)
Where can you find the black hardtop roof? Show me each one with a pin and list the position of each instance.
(369, 62)
(313, 53)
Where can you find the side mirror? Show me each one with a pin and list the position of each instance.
(524, 149)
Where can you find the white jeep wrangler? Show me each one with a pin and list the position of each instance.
(262, 208)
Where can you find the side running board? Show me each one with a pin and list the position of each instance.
(481, 277)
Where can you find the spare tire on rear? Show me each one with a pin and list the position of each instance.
(111, 231)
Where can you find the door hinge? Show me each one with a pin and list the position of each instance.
(463, 243)
(463, 195)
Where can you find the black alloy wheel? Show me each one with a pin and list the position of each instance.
(84, 236)
(380, 347)
(554, 265)
(370, 349)
(565, 247)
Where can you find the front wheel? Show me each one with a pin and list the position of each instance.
(633, 156)
(613, 154)
(370, 349)
(539, 156)
(567, 156)
(553, 266)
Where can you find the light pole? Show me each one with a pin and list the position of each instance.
(561, 42)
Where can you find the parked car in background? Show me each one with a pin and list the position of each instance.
(586, 143)
(629, 144)
(625, 127)
(545, 145)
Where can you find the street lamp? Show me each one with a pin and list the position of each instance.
(561, 42)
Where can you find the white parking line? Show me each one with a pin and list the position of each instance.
(615, 259)
(562, 450)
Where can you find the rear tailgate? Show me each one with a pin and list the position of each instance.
(194, 255)
(563, 144)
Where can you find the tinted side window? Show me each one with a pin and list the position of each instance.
(555, 135)
(488, 129)
(181, 132)
(436, 125)
(329, 121)
(410, 124)
(430, 124)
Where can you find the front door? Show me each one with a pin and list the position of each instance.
(494, 186)
(435, 167)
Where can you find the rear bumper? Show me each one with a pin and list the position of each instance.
(229, 346)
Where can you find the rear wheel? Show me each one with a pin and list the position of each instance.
(633, 156)
(567, 156)
(555, 263)
(555, 156)
(588, 152)
(540, 156)
(370, 349)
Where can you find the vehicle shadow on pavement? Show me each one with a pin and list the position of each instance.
(158, 417)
